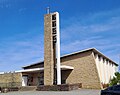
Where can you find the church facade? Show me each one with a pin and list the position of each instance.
(89, 67)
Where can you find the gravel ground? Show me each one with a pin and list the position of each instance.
(75, 92)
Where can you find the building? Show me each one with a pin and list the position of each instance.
(89, 67)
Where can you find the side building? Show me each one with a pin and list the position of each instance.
(89, 67)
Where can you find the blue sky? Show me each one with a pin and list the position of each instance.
(83, 23)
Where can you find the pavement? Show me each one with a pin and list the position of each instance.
(74, 92)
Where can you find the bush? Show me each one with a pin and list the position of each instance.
(115, 80)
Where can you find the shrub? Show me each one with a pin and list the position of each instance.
(115, 80)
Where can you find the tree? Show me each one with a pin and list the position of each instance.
(115, 80)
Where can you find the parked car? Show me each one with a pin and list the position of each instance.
(113, 90)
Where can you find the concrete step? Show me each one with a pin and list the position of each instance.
(28, 88)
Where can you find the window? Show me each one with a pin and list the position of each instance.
(99, 58)
(54, 17)
(40, 81)
(112, 64)
(54, 24)
(103, 60)
(95, 55)
(107, 62)
(53, 30)
(54, 39)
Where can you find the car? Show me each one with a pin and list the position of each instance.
(113, 90)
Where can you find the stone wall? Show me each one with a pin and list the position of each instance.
(63, 87)
(10, 80)
(85, 70)
(48, 51)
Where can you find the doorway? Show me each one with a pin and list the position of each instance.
(24, 80)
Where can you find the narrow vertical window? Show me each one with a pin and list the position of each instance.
(54, 17)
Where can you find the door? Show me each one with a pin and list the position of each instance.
(24, 80)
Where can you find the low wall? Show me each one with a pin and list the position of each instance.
(63, 87)
(10, 84)
(8, 89)
(10, 80)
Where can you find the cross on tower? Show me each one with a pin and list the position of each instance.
(48, 10)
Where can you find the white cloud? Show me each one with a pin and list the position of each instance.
(104, 45)
(15, 54)
(22, 10)
(99, 30)
(81, 33)
(5, 4)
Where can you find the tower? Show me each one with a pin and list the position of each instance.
(52, 72)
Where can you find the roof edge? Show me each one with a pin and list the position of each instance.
(85, 50)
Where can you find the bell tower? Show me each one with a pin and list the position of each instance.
(52, 72)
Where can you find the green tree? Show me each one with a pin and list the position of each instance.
(115, 80)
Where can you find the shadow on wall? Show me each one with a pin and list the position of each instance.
(65, 74)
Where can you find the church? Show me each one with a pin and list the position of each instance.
(89, 67)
